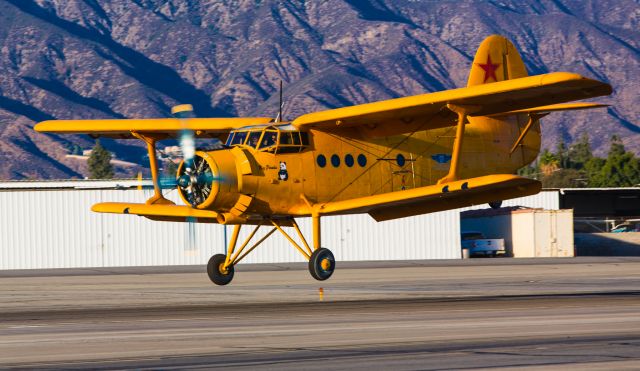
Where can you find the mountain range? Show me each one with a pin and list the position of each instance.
(118, 59)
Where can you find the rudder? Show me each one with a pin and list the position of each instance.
(497, 59)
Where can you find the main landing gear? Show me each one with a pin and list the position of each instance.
(321, 261)
(322, 264)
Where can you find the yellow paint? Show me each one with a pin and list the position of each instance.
(157, 197)
(321, 293)
(181, 108)
(222, 268)
(163, 127)
(555, 107)
(293, 243)
(325, 264)
(232, 244)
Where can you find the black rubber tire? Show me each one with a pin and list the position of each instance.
(315, 264)
(213, 270)
(495, 204)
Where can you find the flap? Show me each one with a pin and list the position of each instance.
(434, 198)
(166, 127)
(428, 111)
(555, 107)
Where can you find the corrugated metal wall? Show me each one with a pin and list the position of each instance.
(547, 199)
(54, 228)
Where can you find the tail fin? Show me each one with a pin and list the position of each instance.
(496, 60)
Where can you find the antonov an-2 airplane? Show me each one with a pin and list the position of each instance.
(390, 159)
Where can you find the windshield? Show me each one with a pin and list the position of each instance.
(269, 139)
(239, 138)
(254, 138)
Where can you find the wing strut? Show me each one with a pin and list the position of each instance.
(157, 197)
(533, 117)
(463, 112)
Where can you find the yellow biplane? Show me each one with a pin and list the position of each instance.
(390, 159)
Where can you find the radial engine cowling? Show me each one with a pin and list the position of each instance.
(209, 181)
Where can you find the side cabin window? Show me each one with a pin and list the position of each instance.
(292, 141)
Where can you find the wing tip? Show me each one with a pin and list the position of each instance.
(41, 127)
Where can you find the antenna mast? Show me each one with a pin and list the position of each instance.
(279, 118)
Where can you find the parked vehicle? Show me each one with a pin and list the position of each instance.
(478, 245)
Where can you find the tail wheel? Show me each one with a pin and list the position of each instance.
(217, 273)
(321, 264)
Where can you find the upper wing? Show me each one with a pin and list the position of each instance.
(202, 127)
(428, 111)
(439, 197)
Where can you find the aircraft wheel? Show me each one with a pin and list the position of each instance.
(215, 272)
(321, 264)
(495, 204)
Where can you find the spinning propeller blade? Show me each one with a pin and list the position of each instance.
(190, 174)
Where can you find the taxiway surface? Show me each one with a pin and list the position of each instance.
(581, 313)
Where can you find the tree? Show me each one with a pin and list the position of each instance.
(580, 152)
(548, 162)
(620, 169)
(170, 168)
(562, 154)
(100, 163)
(76, 150)
(529, 171)
(564, 178)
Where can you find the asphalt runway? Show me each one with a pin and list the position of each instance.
(581, 313)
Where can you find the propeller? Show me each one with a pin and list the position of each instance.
(192, 171)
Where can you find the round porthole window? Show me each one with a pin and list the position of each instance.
(335, 160)
(362, 160)
(348, 160)
(321, 160)
(400, 160)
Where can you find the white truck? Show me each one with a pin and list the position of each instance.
(478, 245)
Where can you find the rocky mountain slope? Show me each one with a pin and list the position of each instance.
(100, 59)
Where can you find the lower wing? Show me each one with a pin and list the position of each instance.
(422, 200)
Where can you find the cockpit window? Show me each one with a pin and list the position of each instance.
(238, 138)
(286, 138)
(278, 139)
(254, 138)
(305, 138)
(269, 139)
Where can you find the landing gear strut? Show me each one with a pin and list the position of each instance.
(321, 261)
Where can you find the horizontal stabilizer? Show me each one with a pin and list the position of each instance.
(428, 199)
(172, 213)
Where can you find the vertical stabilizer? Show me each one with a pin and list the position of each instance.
(496, 60)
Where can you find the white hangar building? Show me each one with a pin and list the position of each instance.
(50, 225)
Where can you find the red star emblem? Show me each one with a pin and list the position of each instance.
(489, 69)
